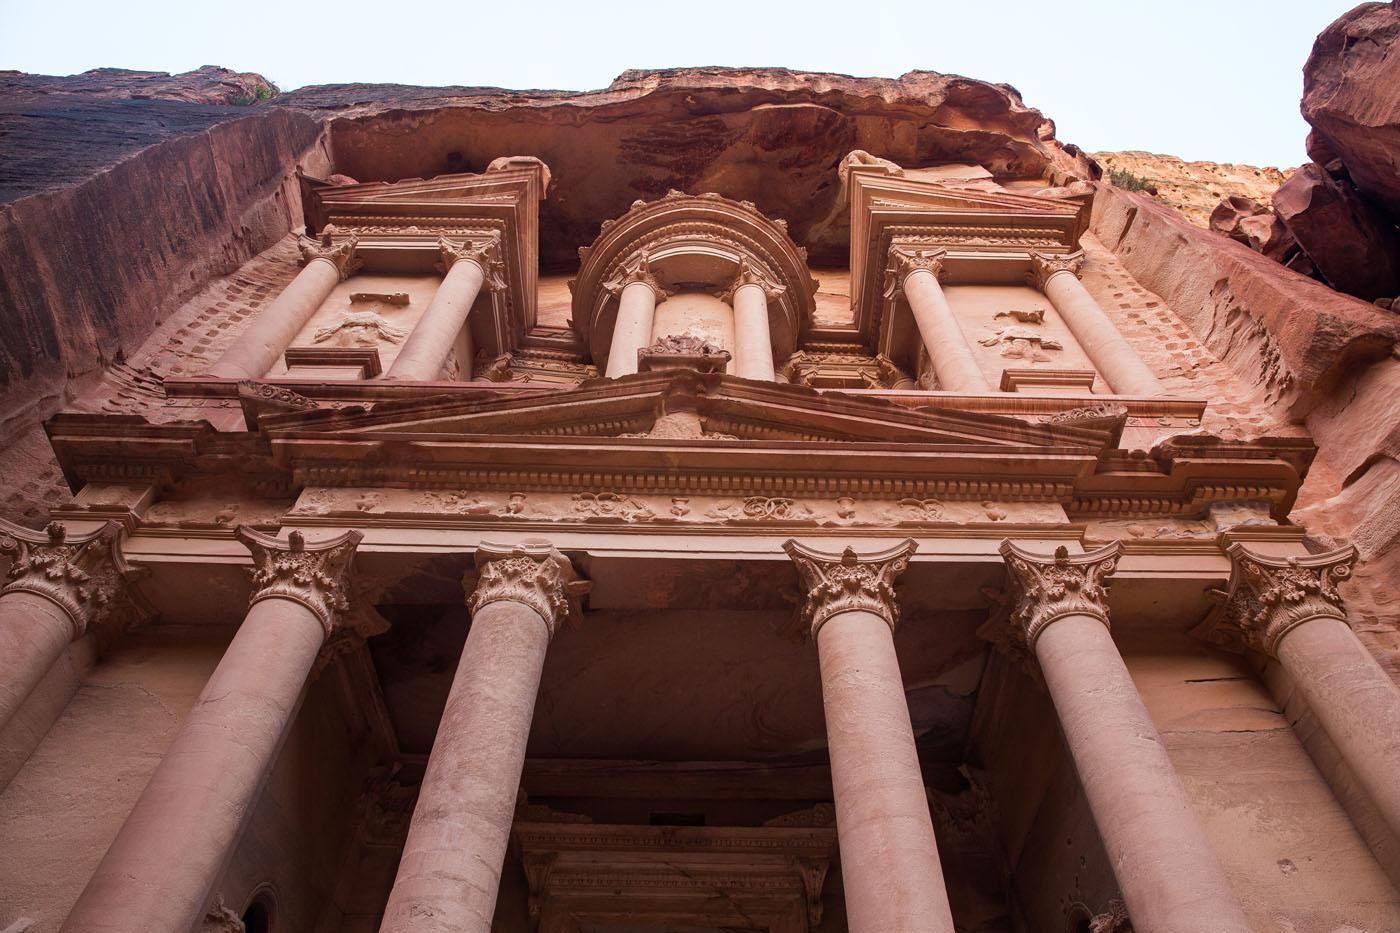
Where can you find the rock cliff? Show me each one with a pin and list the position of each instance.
(1196, 188)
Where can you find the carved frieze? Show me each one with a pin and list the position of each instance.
(905, 261)
(86, 575)
(1044, 265)
(848, 582)
(341, 255)
(1270, 596)
(535, 575)
(1045, 588)
(314, 575)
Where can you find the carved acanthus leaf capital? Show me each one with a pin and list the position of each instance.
(533, 574)
(315, 575)
(905, 261)
(848, 582)
(636, 270)
(1044, 265)
(341, 255)
(1045, 588)
(1268, 597)
(86, 575)
(748, 275)
(485, 254)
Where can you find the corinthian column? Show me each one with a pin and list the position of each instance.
(467, 267)
(451, 866)
(58, 587)
(1290, 609)
(1124, 371)
(1166, 869)
(270, 333)
(916, 273)
(639, 293)
(748, 295)
(158, 874)
(889, 858)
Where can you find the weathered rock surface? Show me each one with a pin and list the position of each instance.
(1195, 188)
(1254, 225)
(1355, 248)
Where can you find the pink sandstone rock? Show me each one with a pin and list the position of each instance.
(1354, 247)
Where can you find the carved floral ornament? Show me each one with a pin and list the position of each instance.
(534, 574)
(315, 575)
(636, 271)
(85, 575)
(1270, 596)
(905, 261)
(1045, 265)
(486, 255)
(341, 255)
(749, 275)
(848, 582)
(1044, 589)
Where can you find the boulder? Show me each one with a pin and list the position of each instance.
(1354, 246)
(1254, 225)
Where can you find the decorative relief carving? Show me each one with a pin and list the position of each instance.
(1043, 589)
(1023, 315)
(1022, 343)
(1270, 596)
(682, 351)
(341, 255)
(1044, 265)
(86, 575)
(904, 262)
(221, 919)
(486, 255)
(609, 505)
(748, 275)
(1113, 920)
(315, 575)
(849, 582)
(762, 508)
(535, 575)
(359, 329)
(636, 270)
(915, 510)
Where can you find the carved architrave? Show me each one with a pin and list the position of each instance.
(748, 275)
(486, 255)
(905, 261)
(848, 582)
(535, 575)
(86, 575)
(635, 271)
(1045, 588)
(1270, 596)
(315, 575)
(341, 255)
(1044, 265)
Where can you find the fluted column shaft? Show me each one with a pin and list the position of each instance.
(57, 587)
(1112, 356)
(916, 272)
(1291, 609)
(158, 874)
(889, 858)
(270, 333)
(425, 352)
(1166, 869)
(450, 871)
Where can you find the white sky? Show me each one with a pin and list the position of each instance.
(1214, 80)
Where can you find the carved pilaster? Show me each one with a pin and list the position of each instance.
(848, 582)
(748, 275)
(905, 261)
(535, 575)
(637, 269)
(1043, 589)
(315, 575)
(86, 575)
(1270, 596)
(341, 255)
(486, 255)
(1044, 265)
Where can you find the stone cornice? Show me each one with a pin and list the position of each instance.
(341, 255)
(1270, 596)
(1045, 265)
(904, 262)
(85, 575)
(534, 575)
(486, 255)
(1044, 588)
(314, 575)
(848, 582)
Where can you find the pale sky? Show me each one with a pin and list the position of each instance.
(1217, 80)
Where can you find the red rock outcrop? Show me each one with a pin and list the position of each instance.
(1354, 247)
(1253, 224)
(208, 85)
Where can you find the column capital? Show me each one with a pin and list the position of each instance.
(341, 255)
(1270, 596)
(848, 582)
(315, 575)
(748, 275)
(533, 574)
(636, 270)
(1044, 265)
(85, 575)
(485, 254)
(906, 260)
(1044, 588)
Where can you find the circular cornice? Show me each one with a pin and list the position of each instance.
(694, 243)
